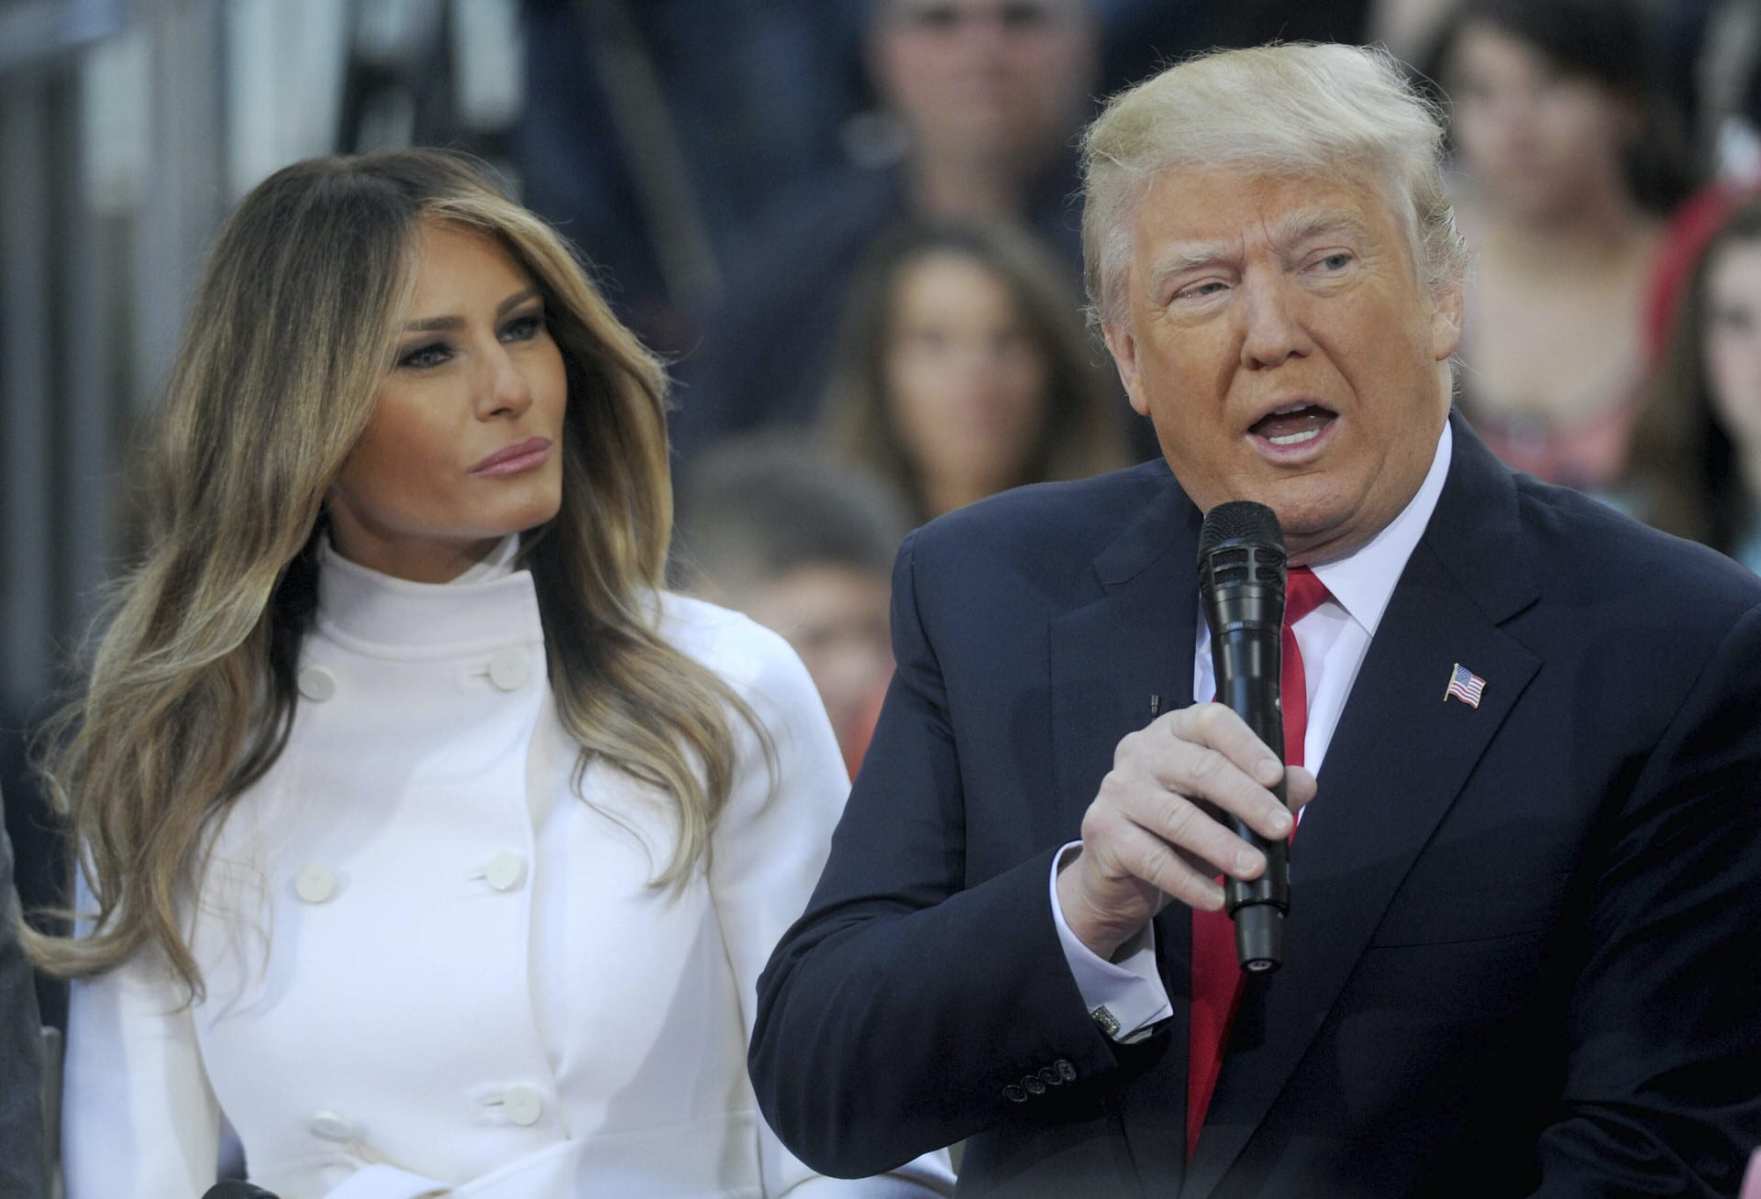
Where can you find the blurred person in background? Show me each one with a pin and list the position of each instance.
(1696, 468)
(804, 546)
(425, 841)
(1553, 122)
(963, 370)
(24, 1160)
(656, 132)
(982, 101)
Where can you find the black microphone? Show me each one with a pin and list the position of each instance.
(236, 1190)
(1241, 569)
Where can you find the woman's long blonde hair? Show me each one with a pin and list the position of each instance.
(192, 689)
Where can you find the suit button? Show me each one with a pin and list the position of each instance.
(510, 668)
(1065, 1070)
(506, 870)
(1051, 1077)
(315, 884)
(523, 1105)
(1014, 1094)
(331, 1127)
(317, 684)
(1034, 1085)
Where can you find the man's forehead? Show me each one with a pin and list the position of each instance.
(1218, 206)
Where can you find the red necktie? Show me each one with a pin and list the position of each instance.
(1216, 975)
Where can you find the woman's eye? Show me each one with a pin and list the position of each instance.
(523, 328)
(424, 356)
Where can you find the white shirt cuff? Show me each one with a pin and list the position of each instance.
(1126, 998)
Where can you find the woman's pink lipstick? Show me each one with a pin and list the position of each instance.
(521, 456)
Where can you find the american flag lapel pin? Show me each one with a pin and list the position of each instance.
(1464, 685)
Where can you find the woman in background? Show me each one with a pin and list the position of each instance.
(426, 841)
(964, 370)
(1551, 111)
(1697, 455)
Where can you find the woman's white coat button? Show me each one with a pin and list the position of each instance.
(315, 884)
(523, 1105)
(331, 1127)
(510, 668)
(506, 870)
(317, 684)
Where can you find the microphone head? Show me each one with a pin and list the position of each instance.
(1240, 522)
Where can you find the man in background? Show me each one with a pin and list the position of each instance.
(805, 548)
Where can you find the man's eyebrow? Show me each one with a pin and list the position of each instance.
(1187, 256)
(442, 324)
(1302, 226)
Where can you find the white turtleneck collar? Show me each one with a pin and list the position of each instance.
(491, 603)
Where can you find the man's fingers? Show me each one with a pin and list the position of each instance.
(1151, 859)
(1185, 826)
(1217, 727)
(1299, 786)
(1216, 764)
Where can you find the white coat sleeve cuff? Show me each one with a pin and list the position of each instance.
(1126, 998)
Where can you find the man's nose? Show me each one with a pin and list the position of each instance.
(1271, 331)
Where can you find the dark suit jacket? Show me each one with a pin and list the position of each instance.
(1525, 940)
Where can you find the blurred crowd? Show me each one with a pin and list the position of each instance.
(851, 229)
(864, 262)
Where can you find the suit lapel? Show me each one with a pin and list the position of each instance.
(1107, 659)
(1134, 641)
(1361, 837)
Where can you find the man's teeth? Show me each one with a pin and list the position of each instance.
(1295, 438)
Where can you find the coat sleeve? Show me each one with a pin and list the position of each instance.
(768, 849)
(23, 1159)
(904, 1007)
(1663, 1085)
(137, 1114)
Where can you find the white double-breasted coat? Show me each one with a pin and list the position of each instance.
(433, 967)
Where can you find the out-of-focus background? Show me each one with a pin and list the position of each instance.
(852, 227)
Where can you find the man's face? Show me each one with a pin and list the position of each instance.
(1278, 337)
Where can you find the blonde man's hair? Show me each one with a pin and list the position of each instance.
(192, 691)
(1291, 109)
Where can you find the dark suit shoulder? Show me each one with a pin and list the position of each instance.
(1049, 533)
(1586, 552)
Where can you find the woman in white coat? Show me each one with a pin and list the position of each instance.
(427, 843)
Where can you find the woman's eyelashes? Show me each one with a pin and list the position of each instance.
(429, 354)
(524, 327)
(425, 356)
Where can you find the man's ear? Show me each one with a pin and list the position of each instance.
(1447, 307)
(1123, 346)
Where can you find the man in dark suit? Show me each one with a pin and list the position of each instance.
(1526, 900)
(23, 1159)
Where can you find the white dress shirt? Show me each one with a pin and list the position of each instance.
(1127, 995)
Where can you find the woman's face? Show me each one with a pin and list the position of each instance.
(1733, 341)
(465, 443)
(1543, 144)
(965, 383)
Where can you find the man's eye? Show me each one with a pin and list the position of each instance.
(424, 356)
(1201, 291)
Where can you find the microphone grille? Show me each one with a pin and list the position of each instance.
(1241, 522)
